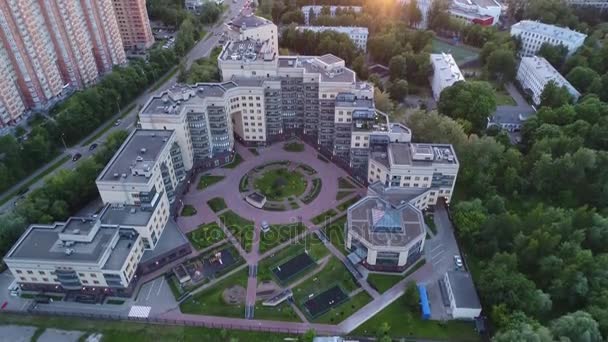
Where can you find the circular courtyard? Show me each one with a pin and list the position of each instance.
(278, 184)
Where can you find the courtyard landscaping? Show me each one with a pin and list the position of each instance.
(206, 235)
(188, 210)
(207, 180)
(335, 234)
(241, 229)
(383, 282)
(217, 204)
(280, 183)
(293, 146)
(235, 162)
(324, 217)
(314, 192)
(281, 312)
(225, 298)
(279, 234)
(461, 53)
(344, 205)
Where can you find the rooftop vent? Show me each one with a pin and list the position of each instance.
(116, 175)
(69, 251)
(124, 175)
(139, 158)
(143, 150)
(132, 211)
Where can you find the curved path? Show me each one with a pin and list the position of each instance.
(228, 189)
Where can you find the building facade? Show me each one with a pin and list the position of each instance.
(534, 73)
(254, 28)
(134, 25)
(481, 12)
(357, 34)
(332, 10)
(464, 302)
(534, 34)
(50, 48)
(445, 73)
(133, 233)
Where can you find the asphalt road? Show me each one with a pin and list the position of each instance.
(201, 49)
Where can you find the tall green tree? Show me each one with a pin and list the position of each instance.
(554, 96)
(471, 101)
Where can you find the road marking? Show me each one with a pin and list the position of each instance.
(437, 255)
(24, 304)
(160, 287)
(439, 245)
(150, 291)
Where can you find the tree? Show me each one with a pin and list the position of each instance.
(398, 90)
(414, 15)
(397, 67)
(576, 326)
(501, 64)
(185, 37)
(411, 297)
(438, 15)
(469, 216)
(554, 96)
(583, 78)
(308, 336)
(382, 101)
(524, 333)
(554, 54)
(360, 67)
(472, 101)
(432, 127)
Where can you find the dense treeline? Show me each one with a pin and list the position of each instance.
(202, 70)
(319, 43)
(62, 194)
(172, 12)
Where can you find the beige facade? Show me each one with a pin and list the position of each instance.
(103, 27)
(11, 103)
(132, 18)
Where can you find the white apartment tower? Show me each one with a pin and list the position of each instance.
(445, 73)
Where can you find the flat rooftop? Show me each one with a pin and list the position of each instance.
(480, 3)
(383, 224)
(171, 101)
(557, 32)
(170, 239)
(249, 21)
(463, 289)
(445, 67)
(413, 154)
(128, 215)
(141, 150)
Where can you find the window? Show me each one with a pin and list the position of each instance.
(93, 275)
(45, 279)
(30, 272)
(19, 271)
(34, 279)
(85, 281)
(95, 282)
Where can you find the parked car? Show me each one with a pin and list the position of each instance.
(265, 227)
(117, 122)
(458, 261)
(76, 156)
(92, 147)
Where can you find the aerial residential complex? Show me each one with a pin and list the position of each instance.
(357, 34)
(533, 34)
(317, 10)
(52, 47)
(445, 73)
(132, 18)
(133, 233)
(535, 72)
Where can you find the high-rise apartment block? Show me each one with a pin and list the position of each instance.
(51, 48)
(132, 17)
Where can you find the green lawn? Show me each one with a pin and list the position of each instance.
(502, 96)
(335, 234)
(383, 282)
(208, 180)
(206, 235)
(345, 205)
(314, 192)
(280, 183)
(241, 228)
(405, 324)
(341, 194)
(118, 331)
(237, 160)
(293, 146)
(333, 273)
(342, 311)
(324, 216)
(211, 301)
(281, 312)
(279, 234)
(217, 204)
(188, 210)
(344, 184)
(461, 53)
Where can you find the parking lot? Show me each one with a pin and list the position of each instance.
(156, 294)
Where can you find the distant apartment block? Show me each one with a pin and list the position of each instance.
(445, 73)
(134, 25)
(534, 73)
(357, 34)
(481, 12)
(598, 4)
(254, 28)
(533, 34)
(318, 10)
(54, 47)
(132, 234)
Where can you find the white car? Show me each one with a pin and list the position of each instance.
(458, 261)
(265, 227)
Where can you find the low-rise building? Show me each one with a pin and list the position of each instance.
(356, 33)
(534, 73)
(445, 73)
(256, 29)
(533, 34)
(332, 10)
(464, 302)
(385, 232)
(481, 12)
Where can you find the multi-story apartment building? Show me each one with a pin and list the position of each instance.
(445, 73)
(54, 47)
(534, 34)
(132, 17)
(357, 34)
(11, 103)
(318, 10)
(481, 12)
(133, 232)
(534, 73)
(254, 28)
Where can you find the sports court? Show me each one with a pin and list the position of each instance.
(289, 269)
(326, 300)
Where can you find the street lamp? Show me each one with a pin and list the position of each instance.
(63, 141)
